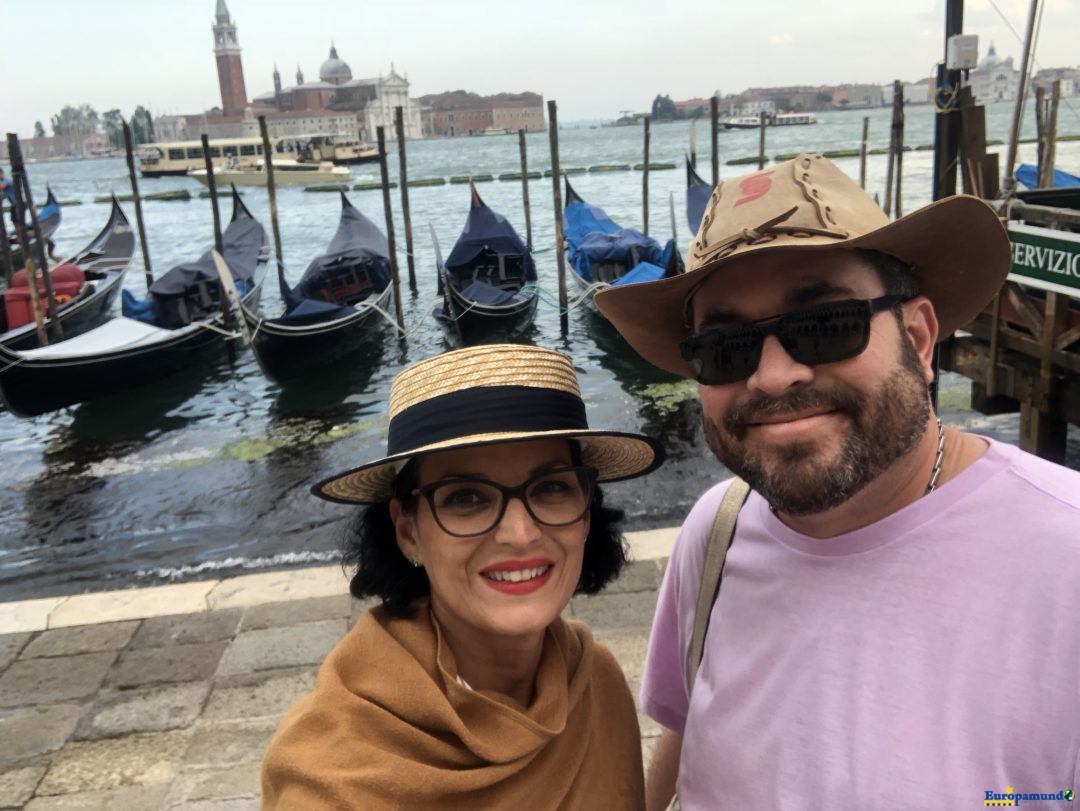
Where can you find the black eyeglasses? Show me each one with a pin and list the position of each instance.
(472, 506)
(825, 333)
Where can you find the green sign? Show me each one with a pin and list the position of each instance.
(1045, 258)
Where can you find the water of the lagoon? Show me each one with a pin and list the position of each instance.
(206, 474)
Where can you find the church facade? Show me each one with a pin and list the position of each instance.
(337, 104)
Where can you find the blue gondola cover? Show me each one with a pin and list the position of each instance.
(592, 237)
(1028, 174)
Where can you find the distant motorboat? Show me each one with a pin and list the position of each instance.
(286, 173)
(750, 122)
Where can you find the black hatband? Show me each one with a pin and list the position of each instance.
(484, 410)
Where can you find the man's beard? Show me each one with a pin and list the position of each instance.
(885, 425)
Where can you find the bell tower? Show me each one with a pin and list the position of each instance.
(230, 68)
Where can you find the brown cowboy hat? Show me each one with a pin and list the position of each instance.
(957, 246)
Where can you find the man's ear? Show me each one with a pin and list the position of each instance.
(404, 530)
(921, 328)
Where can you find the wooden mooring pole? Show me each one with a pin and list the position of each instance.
(525, 188)
(399, 129)
(862, 151)
(211, 183)
(763, 120)
(645, 182)
(271, 193)
(714, 116)
(556, 187)
(24, 245)
(898, 124)
(395, 277)
(18, 169)
(129, 153)
(693, 143)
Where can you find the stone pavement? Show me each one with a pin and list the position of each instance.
(174, 710)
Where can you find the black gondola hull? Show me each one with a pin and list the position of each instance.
(474, 323)
(30, 387)
(105, 261)
(287, 354)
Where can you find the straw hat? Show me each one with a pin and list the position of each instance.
(485, 395)
(957, 246)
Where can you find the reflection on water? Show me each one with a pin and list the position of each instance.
(207, 473)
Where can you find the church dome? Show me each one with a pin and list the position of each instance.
(334, 70)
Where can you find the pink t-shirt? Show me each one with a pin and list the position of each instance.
(916, 663)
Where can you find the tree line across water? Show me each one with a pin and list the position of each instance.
(85, 120)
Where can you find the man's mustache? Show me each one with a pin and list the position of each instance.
(741, 415)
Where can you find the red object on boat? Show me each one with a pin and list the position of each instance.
(67, 281)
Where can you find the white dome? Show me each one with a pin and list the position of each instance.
(334, 70)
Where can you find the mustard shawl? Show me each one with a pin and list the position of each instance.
(390, 727)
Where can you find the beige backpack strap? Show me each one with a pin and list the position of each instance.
(723, 530)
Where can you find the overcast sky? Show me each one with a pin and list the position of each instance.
(596, 57)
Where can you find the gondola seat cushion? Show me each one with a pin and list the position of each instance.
(484, 293)
(67, 280)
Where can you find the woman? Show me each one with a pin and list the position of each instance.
(465, 689)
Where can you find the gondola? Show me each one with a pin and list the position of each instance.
(488, 283)
(155, 337)
(48, 221)
(697, 197)
(1064, 191)
(602, 254)
(338, 304)
(94, 278)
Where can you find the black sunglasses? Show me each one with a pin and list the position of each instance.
(825, 333)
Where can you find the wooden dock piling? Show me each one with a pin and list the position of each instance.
(18, 170)
(271, 193)
(211, 184)
(395, 277)
(714, 117)
(129, 154)
(525, 188)
(693, 143)
(556, 186)
(406, 217)
(645, 182)
(862, 151)
(763, 120)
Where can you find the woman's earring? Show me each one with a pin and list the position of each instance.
(415, 562)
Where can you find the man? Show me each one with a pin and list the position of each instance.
(896, 626)
(7, 195)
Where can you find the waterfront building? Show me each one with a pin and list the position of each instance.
(461, 113)
(994, 79)
(1069, 78)
(337, 104)
(857, 96)
(371, 102)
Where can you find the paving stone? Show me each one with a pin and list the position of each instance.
(228, 743)
(49, 681)
(150, 709)
(17, 786)
(175, 663)
(293, 612)
(622, 611)
(290, 646)
(80, 639)
(202, 785)
(637, 575)
(29, 615)
(262, 695)
(130, 604)
(648, 749)
(10, 645)
(184, 629)
(115, 763)
(132, 798)
(32, 730)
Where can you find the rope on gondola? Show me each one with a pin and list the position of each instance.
(548, 298)
(12, 365)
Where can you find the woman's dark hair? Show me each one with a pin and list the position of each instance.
(381, 570)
